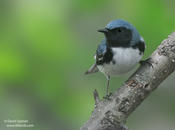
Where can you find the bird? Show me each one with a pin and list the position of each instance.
(119, 52)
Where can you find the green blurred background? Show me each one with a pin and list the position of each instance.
(47, 45)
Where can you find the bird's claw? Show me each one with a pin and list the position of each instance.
(147, 61)
(108, 96)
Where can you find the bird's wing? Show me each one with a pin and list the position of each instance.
(101, 51)
(142, 45)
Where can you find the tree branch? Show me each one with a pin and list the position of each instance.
(112, 113)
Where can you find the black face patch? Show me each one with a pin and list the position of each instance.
(119, 37)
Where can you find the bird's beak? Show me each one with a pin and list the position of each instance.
(103, 30)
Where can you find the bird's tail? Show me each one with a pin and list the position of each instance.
(92, 69)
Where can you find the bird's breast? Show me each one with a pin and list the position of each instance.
(123, 60)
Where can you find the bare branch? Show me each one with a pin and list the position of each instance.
(112, 114)
(96, 97)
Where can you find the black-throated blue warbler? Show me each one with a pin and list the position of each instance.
(120, 51)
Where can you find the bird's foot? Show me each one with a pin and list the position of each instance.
(108, 96)
(147, 61)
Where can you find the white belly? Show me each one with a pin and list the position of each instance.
(124, 60)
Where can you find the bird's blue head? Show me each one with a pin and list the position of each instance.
(120, 33)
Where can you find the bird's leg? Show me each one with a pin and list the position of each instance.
(107, 88)
(148, 61)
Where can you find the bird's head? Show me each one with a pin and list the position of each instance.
(120, 33)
